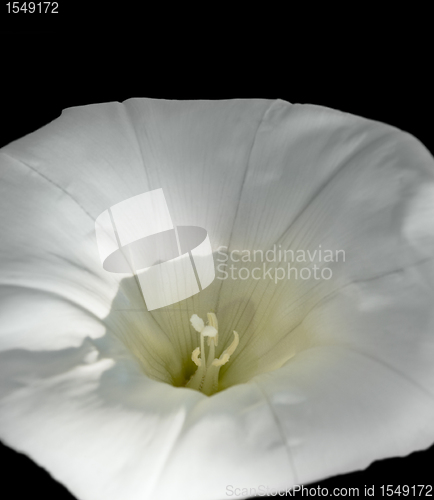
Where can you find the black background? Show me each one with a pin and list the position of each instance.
(47, 71)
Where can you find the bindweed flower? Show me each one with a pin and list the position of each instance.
(311, 353)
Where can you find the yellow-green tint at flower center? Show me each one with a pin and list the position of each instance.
(177, 347)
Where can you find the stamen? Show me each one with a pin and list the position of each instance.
(195, 357)
(205, 378)
(209, 331)
(212, 321)
(227, 353)
(197, 323)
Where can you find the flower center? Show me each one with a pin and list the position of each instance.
(205, 379)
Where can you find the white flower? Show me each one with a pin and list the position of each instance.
(329, 374)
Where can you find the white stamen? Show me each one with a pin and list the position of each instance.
(227, 353)
(205, 378)
(197, 323)
(209, 331)
(195, 357)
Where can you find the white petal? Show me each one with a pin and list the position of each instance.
(106, 431)
(366, 385)
(332, 181)
(93, 157)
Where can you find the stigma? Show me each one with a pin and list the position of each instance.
(205, 379)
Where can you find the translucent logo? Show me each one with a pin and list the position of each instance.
(137, 236)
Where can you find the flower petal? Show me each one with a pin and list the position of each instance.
(366, 385)
(105, 431)
(93, 157)
(330, 182)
